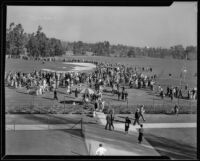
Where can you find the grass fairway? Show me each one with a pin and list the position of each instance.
(180, 143)
(161, 67)
(16, 65)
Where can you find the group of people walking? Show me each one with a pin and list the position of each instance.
(138, 114)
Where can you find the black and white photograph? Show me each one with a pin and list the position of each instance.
(101, 81)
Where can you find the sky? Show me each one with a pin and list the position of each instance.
(134, 26)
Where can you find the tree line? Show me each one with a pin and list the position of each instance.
(105, 49)
(36, 44)
(39, 45)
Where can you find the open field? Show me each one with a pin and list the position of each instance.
(18, 101)
(153, 103)
(16, 65)
(161, 67)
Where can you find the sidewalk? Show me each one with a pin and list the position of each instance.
(120, 126)
(42, 127)
(127, 143)
(116, 142)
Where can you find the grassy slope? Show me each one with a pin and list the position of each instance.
(178, 143)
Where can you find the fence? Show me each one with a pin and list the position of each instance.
(43, 122)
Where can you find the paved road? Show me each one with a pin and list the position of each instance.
(116, 142)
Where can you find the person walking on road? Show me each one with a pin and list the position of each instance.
(127, 122)
(55, 95)
(101, 150)
(142, 111)
(108, 121)
(141, 133)
(137, 116)
(112, 117)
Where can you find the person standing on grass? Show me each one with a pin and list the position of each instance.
(55, 95)
(118, 94)
(76, 92)
(112, 119)
(176, 109)
(126, 96)
(112, 112)
(108, 121)
(27, 87)
(127, 122)
(137, 116)
(141, 133)
(101, 150)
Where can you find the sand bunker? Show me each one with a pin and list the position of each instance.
(79, 67)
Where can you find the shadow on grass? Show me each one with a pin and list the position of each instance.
(171, 148)
(23, 92)
(48, 98)
(124, 117)
(71, 102)
(53, 119)
(60, 92)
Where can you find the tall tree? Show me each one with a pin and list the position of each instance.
(15, 39)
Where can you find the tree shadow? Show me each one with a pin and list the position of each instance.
(122, 117)
(48, 98)
(22, 92)
(72, 101)
(60, 92)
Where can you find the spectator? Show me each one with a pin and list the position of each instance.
(76, 92)
(112, 117)
(126, 95)
(141, 133)
(142, 111)
(118, 94)
(101, 150)
(127, 122)
(176, 109)
(137, 116)
(55, 95)
(108, 121)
